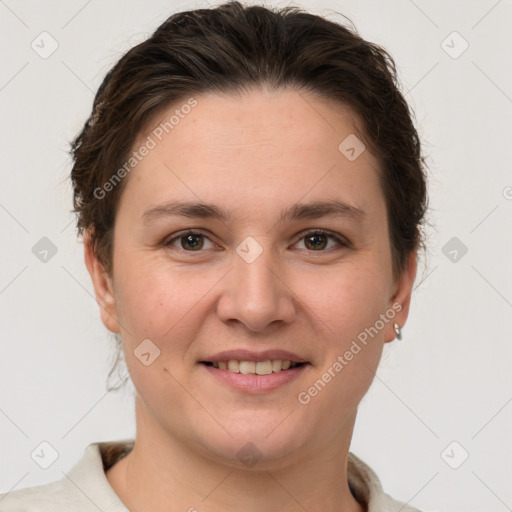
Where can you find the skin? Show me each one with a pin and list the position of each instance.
(252, 154)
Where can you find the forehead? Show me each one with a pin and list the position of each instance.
(252, 149)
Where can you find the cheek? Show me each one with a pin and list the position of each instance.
(154, 300)
(348, 305)
(168, 304)
(349, 298)
(350, 341)
(157, 305)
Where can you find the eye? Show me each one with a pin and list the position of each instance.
(189, 241)
(316, 240)
(193, 241)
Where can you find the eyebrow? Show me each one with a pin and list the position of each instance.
(298, 211)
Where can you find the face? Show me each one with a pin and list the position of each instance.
(311, 283)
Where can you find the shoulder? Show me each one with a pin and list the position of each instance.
(367, 488)
(84, 488)
(389, 504)
(42, 498)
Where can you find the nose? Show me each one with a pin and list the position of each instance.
(256, 294)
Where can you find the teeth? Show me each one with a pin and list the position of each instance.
(254, 368)
(277, 365)
(247, 367)
(233, 366)
(264, 367)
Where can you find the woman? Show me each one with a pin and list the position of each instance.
(250, 190)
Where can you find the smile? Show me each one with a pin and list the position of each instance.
(244, 375)
(252, 367)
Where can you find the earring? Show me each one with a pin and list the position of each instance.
(398, 331)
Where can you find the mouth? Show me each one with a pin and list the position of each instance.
(267, 367)
(255, 377)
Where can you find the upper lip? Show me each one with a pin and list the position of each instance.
(250, 355)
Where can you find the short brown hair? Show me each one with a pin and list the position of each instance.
(231, 48)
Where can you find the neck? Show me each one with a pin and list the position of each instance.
(162, 473)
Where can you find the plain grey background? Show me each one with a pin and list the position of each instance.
(436, 423)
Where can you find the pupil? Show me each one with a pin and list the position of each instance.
(192, 244)
(316, 244)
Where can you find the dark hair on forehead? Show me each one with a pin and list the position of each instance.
(231, 49)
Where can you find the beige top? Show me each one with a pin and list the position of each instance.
(86, 488)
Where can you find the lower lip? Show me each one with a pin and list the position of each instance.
(253, 383)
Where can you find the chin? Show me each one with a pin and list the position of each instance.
(256, 444)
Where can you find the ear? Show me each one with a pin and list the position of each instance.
(401, 299)
(103, 287)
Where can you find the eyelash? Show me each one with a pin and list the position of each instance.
(341, 241)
